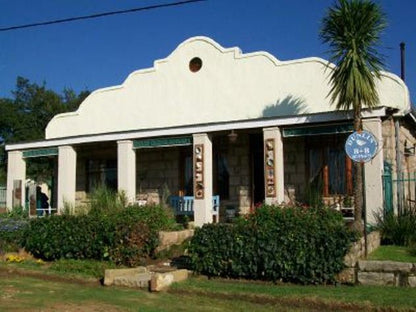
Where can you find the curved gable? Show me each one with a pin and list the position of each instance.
(229, 86)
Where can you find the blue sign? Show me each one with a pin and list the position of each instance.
(361, 146)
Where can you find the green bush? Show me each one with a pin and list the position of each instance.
(136, 234)
(69, 237)
(289, 244)
(124, 236)
(398, 229)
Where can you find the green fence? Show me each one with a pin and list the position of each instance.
(388, 188)
(2, 196)
(403, 189)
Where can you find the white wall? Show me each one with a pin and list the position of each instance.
(229, 86)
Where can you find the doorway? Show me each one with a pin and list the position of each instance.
(257, 169)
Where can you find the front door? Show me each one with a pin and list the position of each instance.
(257, 169)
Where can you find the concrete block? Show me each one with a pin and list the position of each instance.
(391, 266)
(370, 266)
(376, 279)
(384, 266)
(140, 280)
(161, 281)
(168, 239)
(110, 275)
(411, 281)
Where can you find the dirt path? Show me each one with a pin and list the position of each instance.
(4, 271)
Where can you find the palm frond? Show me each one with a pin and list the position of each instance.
(352, 31)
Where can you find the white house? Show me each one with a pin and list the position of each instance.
(209, 120)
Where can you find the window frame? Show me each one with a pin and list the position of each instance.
(338, 142)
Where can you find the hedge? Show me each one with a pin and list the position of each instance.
(289, 244)
(126, 236)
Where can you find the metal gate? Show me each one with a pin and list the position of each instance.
(2, 197)
(404, 187)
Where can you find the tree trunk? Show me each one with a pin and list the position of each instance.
(358, 178)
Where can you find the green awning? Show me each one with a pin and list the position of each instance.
(40, 152)
(317, 130)
(162, 142)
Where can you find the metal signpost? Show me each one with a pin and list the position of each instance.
(361, 146)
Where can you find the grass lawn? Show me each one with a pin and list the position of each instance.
(22, 293)
(329, 298)
(73, 286)
(392, 253)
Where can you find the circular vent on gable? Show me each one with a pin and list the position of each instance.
(195, 64)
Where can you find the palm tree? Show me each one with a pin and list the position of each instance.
(352, 30)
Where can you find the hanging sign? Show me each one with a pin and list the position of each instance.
(199, 171)
(361, 146)
(269, 152)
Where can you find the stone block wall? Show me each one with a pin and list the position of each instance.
(168, 239)
(407, 139)
(357, 250)
(295, 169)
(157, 173)
(375, 273)
(238, 157)
(388, 144)
(386, 273)
(81, 181)
(100, 154)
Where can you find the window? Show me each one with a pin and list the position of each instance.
(102, 172)
(186, 187)
(330, 170)
(221, 176)
(188, 176)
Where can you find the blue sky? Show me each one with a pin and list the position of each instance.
(97, 53)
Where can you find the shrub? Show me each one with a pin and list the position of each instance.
(66, 236)
(124, 236)
(157, 217)
(398, 229)
(290, 244)
(136, 234)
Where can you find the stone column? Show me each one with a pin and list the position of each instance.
(373, 172)
(126, 169)
(67, 166)
(202, 175)
(16, 178)
(273, 166)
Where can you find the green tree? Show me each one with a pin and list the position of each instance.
(25, 117)
(352, 30)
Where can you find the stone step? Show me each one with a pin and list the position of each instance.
(153, 278)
